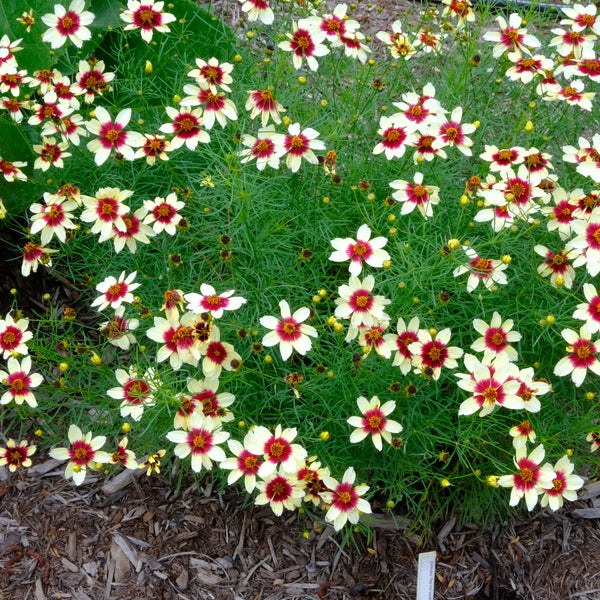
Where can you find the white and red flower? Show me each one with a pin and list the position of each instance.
(407, 335)
(267, 148)
(589, 311)
(208, 301)
(289, 332)
(50, 153)
(84, 452)
(178, 338)
(258, 10)
(512, 39)
(201, 441)
(397, 133)
(68, 24)
(300, 144)
(14, 336)
(12, 170)
(451, 132)
(431, 354)
(218, 355)
(263, 103)
(216, 106)
(20, 382)
(306, 42)
(415, 195)
(522, 433)
(557, 264)
(344, 499)
(531, 479)
(122, 456)
(277, 448)
(363, 249)
(280, 490)
(587, 241)
(16, 455)
(213, 73)
(186, 126)
(112, 135)
(488, 271)
(106, 210)
(357, 304)
(153, 146)
(496, 337)
(118, 331)
(163, 213)
(53, 217)
(114, 292)
(91, 80)
(564, 484)
(135, 392)
(33, 256)
(374, 422)
(148, 16)
(242, 464)
(583, 355)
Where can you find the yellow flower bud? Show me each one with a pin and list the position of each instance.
(559, 281)
(176, 99)
(326, 200)
(301, 80)
(528, 127)
(63, 366)
(445, 483)
(238, 58)
(268, 358)
(126, 427)
(39, 432)
(532, 105)
(391, 218)
(493, 480)
(316, 298)
(506, 259)
(477, 124)
(249, 34)
(338, 327)
(550, 319)
(148, 67)
(464, 200)
(590, 396)
(324, 435)
(96, 358)
(287, 121)
(322, 293)
(453, 244)
(241, 424)
(386, 264)
(323, 102)
(331, 321)
(432, 331)
(306, 534)
(569, 451)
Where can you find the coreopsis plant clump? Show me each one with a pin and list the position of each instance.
(264, 226)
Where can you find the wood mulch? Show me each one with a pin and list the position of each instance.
(133, 538)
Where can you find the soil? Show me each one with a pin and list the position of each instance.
(137, 537)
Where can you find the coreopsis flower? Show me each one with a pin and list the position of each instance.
(512, 39)
(122, 456)
(451, 132)
(524, 69)
(114, 292)
(564, 484)
(397, 133)
(354, 46)
(70, 128)
(522, 433)
(530, 388)
(581, 18)
(485, 270)
(502, 160)
(290, 332)
(53, 217)
(49, 109)
(280, 490)
(277, 449)
(106, 210)
(13, 106)
(573, 44)
(572, 94)
(428, 41)
(20, 382)
(147, 16)
(178, 339)
(306, 42)
(27, 19)
(84, 451)
(213, 73)
(531, 479)
(406, 335)
(398, 43)
(363, 249)
(218, 355)
(136, 392)
(11, 82)
(594, 438)
(118, 331)
(91, 80)
(344, 499)
(62, 88)
(216, 106)
(163, 213)
(16, 455)
(135, 231)
(460, 9)
(173, 302)
(258, 10)
(206, 401)
(589, 67)
(587, 157)
(201, 441)
(490, 384)
(374, 337)
(300, 144)
(263, 103)
(68, 24)
(583, 355)
(267, 148)
(537, 162)
(242, 464)
(8, 62)
(556, 265)
(430, 355)
(495, 337)
(374, 422)
(587, 241)
(357, 304)
(12, 170)
(112, 135)
(14, 336)
(186, 126)
(415, 195)
(153, 146)
(152, 463)
(50, 153)
(44, 79)
(208, 301)
(589, 311)
(421, 109)
(336, 24)
(560, 216)
(33, 256)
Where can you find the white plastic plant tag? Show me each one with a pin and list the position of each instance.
(426, 576)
